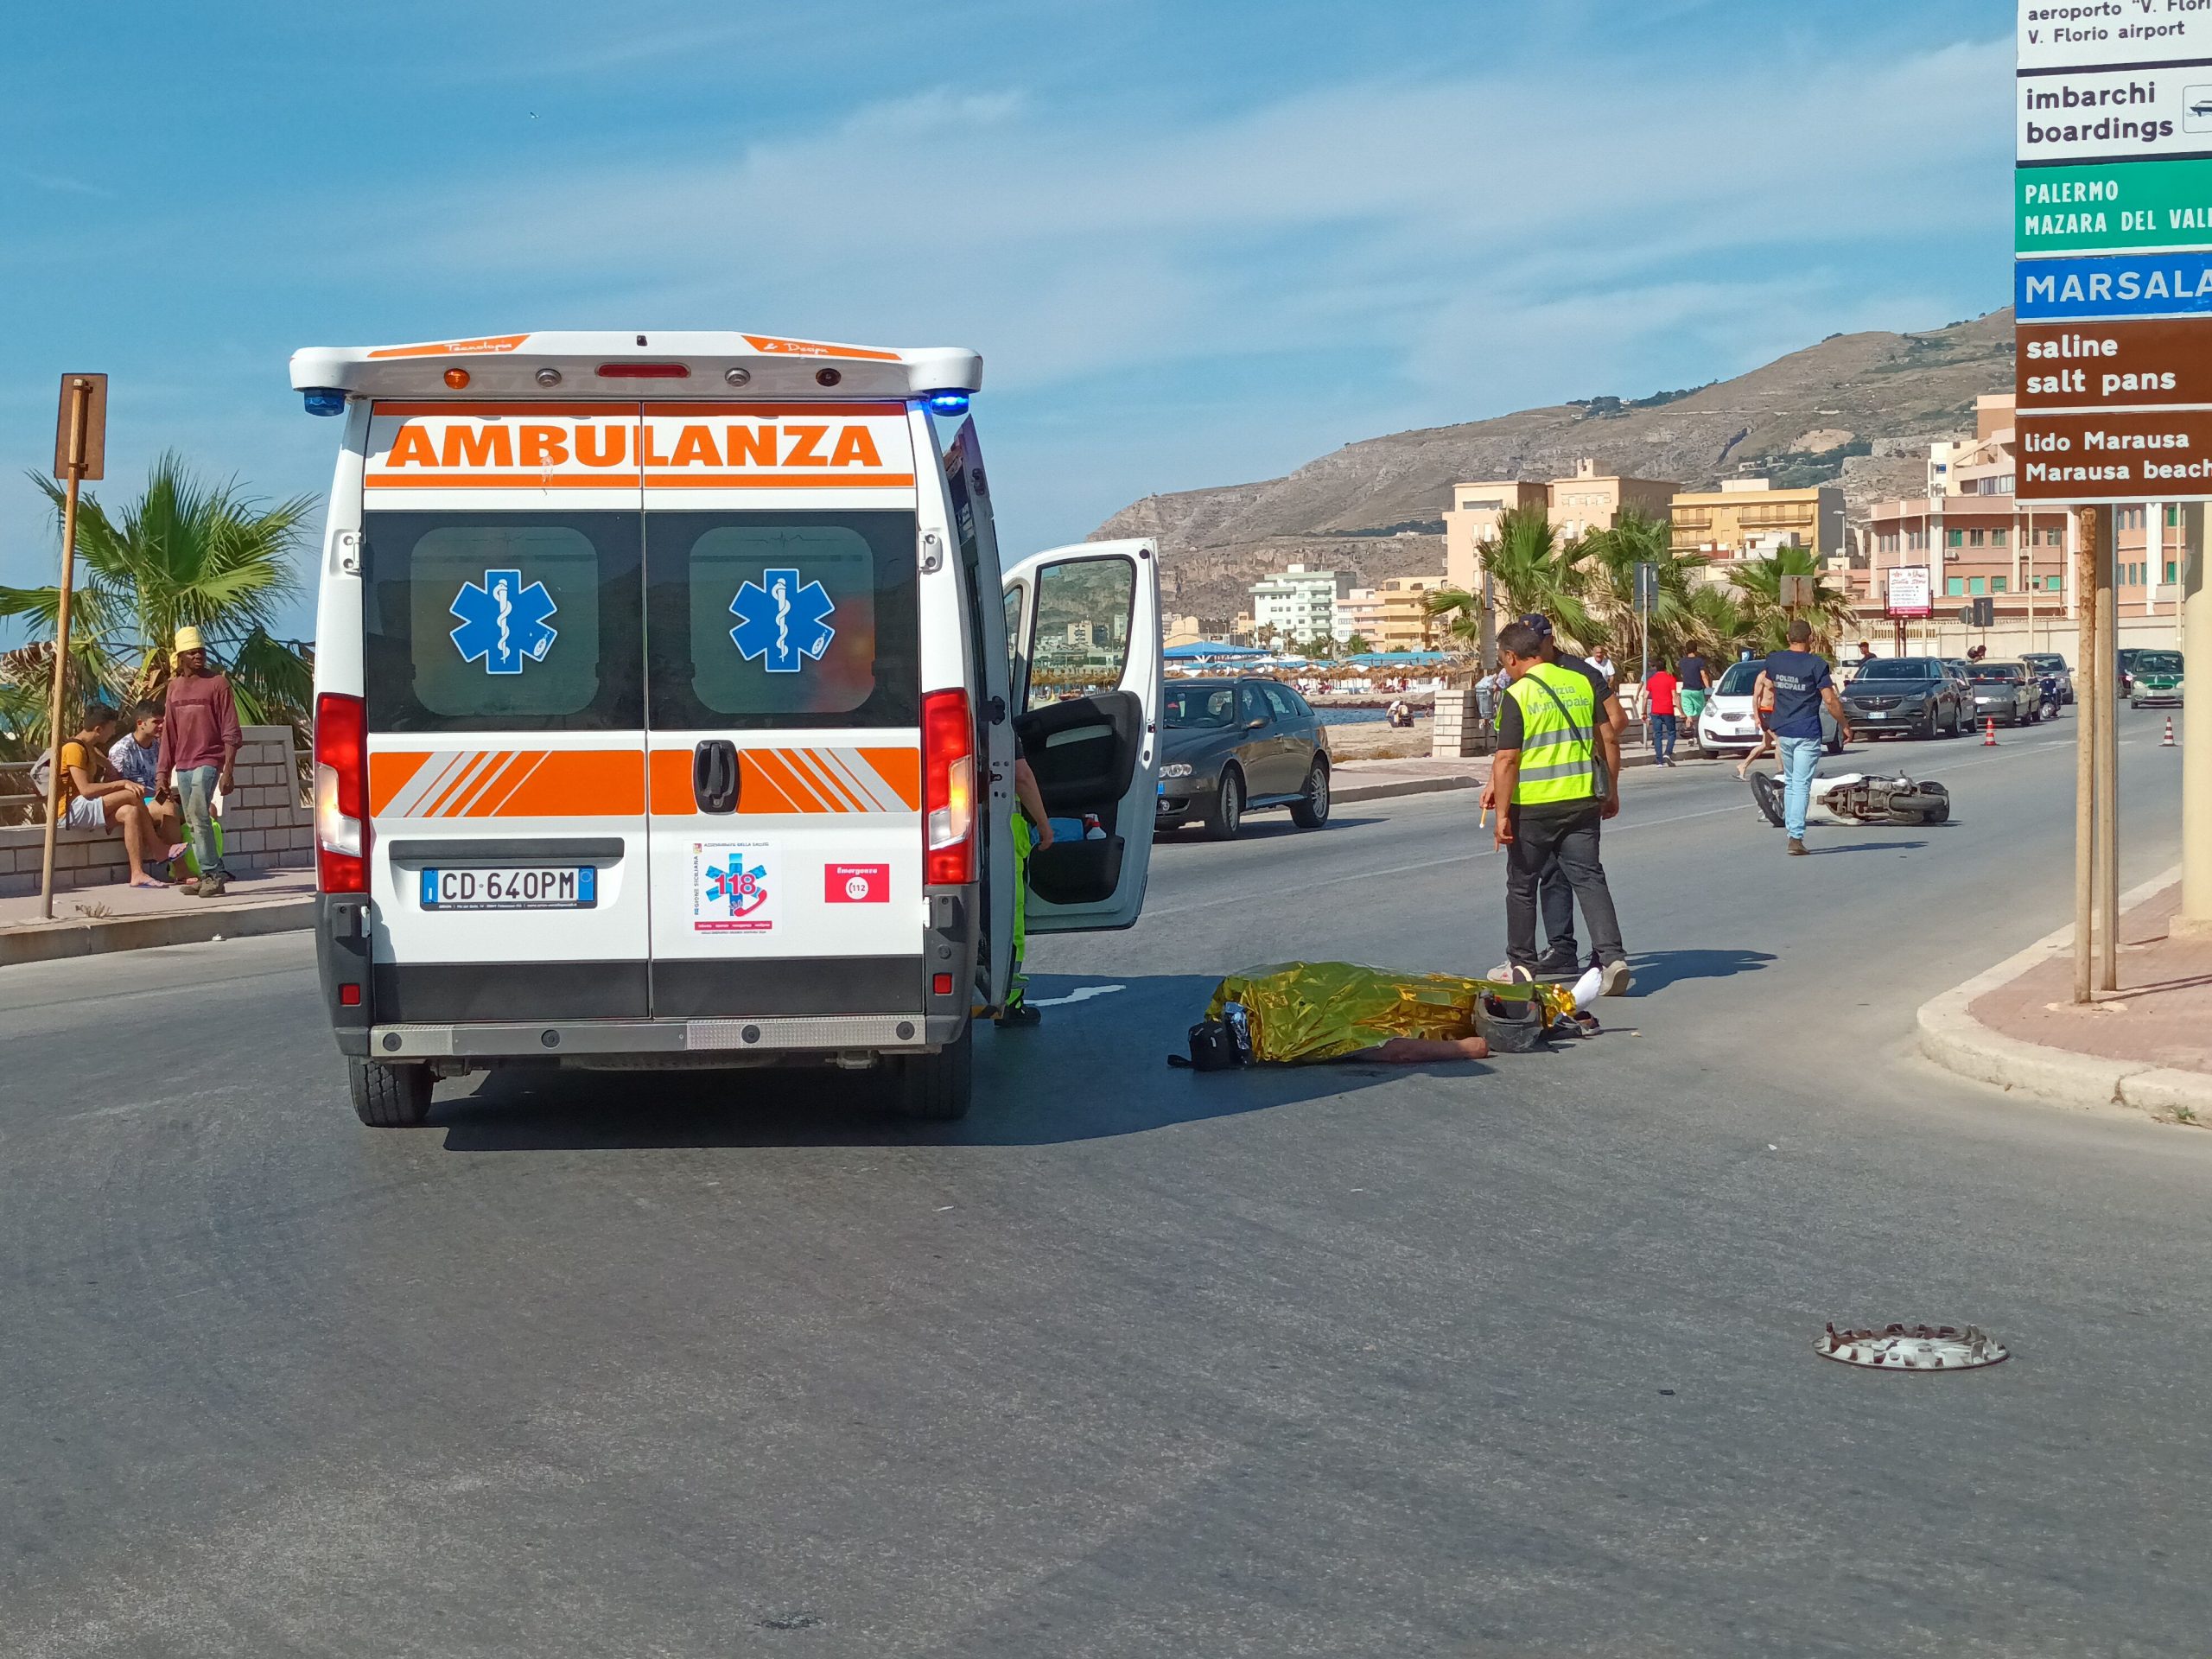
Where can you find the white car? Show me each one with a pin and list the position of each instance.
(1728, 725)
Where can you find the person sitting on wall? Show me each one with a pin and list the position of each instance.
(89, 796)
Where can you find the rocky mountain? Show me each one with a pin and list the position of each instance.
(1856, 409)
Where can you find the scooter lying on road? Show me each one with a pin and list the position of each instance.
(1855, 797)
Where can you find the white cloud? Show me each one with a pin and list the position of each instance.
(1063, 241)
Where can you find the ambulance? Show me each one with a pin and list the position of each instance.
(668, 690)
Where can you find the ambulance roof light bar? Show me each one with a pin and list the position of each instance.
(708, 363)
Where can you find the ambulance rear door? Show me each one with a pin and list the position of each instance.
(503, 657)
(1086, 687)
(785, 683)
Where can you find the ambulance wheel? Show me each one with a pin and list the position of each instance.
(389, 1096)
(934, 1088)
(1225, 811)
(1311, 810)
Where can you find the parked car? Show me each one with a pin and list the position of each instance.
(2051, 665)
(1227, 745)
(1728, 725)
(2153, 676)
(1908, 696)
(2005, 691)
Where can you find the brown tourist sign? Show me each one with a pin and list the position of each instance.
(2134, 364)
(2127, 455)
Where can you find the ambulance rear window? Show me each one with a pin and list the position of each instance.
(782, 620)
(490, 622)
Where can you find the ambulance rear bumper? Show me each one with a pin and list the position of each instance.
(883, 1034)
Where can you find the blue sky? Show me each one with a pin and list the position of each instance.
(1196, 243)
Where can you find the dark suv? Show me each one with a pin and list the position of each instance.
(1227, 745)
(1908, 696)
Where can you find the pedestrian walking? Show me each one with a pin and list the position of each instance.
(1552, 790)
(1660, 692)
(1802, 684)
(1763, 717)
(1691, 671)
(199, 745)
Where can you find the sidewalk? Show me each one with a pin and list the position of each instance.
(2147, 1046)
(88, 921)
(1379, 781)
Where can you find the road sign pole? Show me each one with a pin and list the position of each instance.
(2089, 690)
(79, 390)
(2108, 739)
(2195, 913)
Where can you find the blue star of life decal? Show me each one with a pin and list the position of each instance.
(782, 621)
(504, 622)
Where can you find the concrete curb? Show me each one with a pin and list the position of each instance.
(1345, 792)
(1954, 1039)
(93, 936)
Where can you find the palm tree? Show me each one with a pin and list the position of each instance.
(1715, 623)
(1530, 571)
(183, 553)
(1831, 612)
(1609, 558)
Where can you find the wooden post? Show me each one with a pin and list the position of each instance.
(2089, 687)
(78, 416)
(2108, 762)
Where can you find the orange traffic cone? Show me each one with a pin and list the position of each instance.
(1989, 737)
(2167, 741)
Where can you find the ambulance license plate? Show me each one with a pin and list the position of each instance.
(520, 886)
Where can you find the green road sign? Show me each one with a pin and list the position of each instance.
(2106, 206)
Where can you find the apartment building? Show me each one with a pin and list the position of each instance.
(1749, 518)
(1980, 541)
(1299, 604)
(1359, 612)
(1576, 505)
(1403, 622)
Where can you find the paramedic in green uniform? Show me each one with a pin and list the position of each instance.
(1547, 782)
(1032, 832)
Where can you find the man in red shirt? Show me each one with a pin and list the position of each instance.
(1661, 706)
(200, 743)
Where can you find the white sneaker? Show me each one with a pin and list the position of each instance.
(1614, 980)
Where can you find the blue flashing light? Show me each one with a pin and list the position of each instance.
(324, 400)
(948, 403)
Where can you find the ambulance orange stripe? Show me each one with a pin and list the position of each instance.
(669, 773)
(452, 787)
(455, 348)
(840, 794)
(760, 792)
(457, 480)
(503, 781)
(776, 767)
(736, 409)
(821, 480)
(389, 773)
(580, 784)
(830, 765)
(901, 769)
(626, 412)
(770, 345)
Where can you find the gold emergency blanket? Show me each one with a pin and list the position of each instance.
(1324, 1010)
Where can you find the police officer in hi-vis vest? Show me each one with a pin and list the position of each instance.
(1551, 792)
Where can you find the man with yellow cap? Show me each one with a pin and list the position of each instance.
(200, 743)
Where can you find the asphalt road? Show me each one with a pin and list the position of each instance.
(1512, 1358)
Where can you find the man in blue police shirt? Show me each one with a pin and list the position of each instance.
(1802, 684)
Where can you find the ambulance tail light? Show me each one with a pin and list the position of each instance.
(341, 779)
(948, 790)
(644, 371)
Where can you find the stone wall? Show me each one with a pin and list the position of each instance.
(1460, 730)
(266, 826)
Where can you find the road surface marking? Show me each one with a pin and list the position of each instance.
(1081, 994)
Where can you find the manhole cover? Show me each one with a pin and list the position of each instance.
(1913, 1348)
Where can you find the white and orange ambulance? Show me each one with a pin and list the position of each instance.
(667, 688)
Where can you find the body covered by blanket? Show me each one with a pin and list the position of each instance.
(1308, 1011)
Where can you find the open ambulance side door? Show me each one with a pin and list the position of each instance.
(1083, 625)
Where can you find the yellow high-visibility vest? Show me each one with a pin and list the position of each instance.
(1559, 736)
